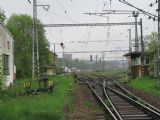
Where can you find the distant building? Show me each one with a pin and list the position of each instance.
(6, 57)
(65, 69)
(67, 56)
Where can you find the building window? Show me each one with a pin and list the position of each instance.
(5, 64)
(147, 61)
(137, 61)
(8, 45)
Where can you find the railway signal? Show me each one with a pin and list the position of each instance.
(62, 45)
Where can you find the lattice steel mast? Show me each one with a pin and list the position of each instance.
(35, 46)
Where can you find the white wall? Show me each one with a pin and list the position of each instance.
(6, 37)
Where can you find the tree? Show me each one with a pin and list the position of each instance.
(152, 49)
(2, 15)
(20, 27)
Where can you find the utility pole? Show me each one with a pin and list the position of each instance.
(54, 51)
(103, 64)
(142, 48)
(91, 60)
(135, 14)
(96, 61)
(158, 58)
(130, 43)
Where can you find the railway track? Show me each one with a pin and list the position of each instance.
(112, 83)
(125, 106)
(119, 104)
(97, 91)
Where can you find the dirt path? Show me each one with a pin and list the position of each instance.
(86, 107)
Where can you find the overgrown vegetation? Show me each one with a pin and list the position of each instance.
(146, 84)
(37, 107)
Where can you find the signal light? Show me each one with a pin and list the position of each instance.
(61, 44)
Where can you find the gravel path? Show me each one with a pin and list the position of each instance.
(86, 108)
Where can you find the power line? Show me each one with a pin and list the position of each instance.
(150, 15)
(65, 11)
(92, 30)
(93, 41)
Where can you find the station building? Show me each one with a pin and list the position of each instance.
(6, 57)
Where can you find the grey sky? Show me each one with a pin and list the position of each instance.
(71, 11)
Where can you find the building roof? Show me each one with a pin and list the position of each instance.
(50, 66)
(6, 29)
(133, 54)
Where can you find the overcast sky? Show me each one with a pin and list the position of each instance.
(71, 11)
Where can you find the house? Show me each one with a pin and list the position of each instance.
(6, 57)
(51, 70)
(137, 66)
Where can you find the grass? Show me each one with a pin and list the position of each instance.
(91, 106)
(146, 84)
(36, 107)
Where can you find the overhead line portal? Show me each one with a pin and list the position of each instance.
(91, 24)
(112, 51)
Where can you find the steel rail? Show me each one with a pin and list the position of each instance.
(115, 110)
(136, 98)
(132, 96)
(102, 102)
(151, 112)
(138, 104)
(132, 101)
